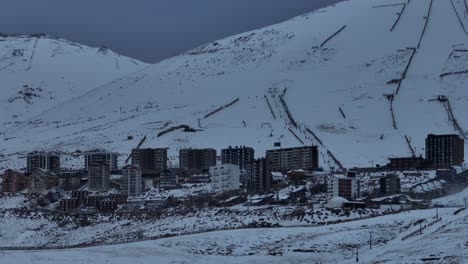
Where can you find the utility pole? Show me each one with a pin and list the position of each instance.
(370, 240)
(420, 228)
(437, 212)
(357, 253)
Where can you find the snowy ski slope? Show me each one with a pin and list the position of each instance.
(354, 78)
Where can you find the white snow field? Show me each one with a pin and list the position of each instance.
(441, 242)
(38, 72)
(340, 89)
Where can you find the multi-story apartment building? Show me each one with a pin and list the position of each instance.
(445, 151)
(224, 177)
(131, 180)
(197, 159)
(259, 176)
(343, 186)
(101, 157)
(44, 161)
(241, 156)
(284, 160)
(98, 177)
(152, 162)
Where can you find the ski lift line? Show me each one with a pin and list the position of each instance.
(453, 73)
(388, 5)
(425, 24)
(393, 115)
(458, 16)
(342, 113)
(456, 125)
(138, 146)
(271, 108)
(286, 108)
(292, 132)
(332, 36)
(315, 136)
(399, 16)
(337, 162)
(32, 55)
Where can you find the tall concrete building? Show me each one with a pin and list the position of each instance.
(42, 161)
(284, 160)
(224, 177)
(152, 162)
(445, 151)
(98, 177)
(131, 180)
(197, 159)
(259, 176)
(107, 158)
(241, 156)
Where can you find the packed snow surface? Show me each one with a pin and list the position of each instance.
(38, 72)
(443, 242)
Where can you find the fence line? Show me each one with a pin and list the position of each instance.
(332, 36)
(399, 16)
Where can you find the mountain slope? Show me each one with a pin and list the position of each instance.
(355, 79)
(39, 72)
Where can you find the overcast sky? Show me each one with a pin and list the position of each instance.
(149, 30)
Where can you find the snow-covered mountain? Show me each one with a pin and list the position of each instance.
(364, 80)
(38, 72)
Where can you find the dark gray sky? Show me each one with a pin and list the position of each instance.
(149, 30)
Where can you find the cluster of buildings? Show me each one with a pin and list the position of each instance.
(235, 168)
(149, 168)
(442, 152)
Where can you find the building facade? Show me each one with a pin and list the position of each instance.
(41, 180)
(241, 156)
(110, 159)
(343, 186)
(408, 163)
(389, 185)
(152, 162)
(259, 176)
(98, 177)
(131, 180)
(42, 161)
(445, 151)
(225, 177)
(284, 160)
(197, 159)
(13, 182)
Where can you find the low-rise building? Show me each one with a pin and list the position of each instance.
(225, 177)
(408, 163)
(13, 181)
